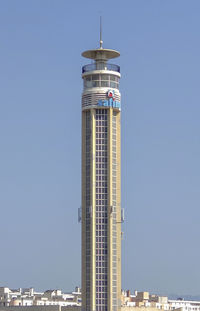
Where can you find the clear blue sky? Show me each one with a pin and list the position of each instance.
(40, 139)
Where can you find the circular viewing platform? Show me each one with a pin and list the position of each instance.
(100, 66)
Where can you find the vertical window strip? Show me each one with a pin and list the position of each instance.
(114, 215)
(88, 202)
(101, 210)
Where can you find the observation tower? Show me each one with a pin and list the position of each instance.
(101, 213)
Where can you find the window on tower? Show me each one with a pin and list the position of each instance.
(101, 80)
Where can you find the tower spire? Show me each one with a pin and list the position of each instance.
(101, 42)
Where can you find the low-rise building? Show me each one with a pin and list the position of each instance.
(28, 297)
(150, 302)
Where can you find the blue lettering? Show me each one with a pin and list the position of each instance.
(109, 103)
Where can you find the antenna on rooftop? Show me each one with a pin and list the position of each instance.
(101, 42)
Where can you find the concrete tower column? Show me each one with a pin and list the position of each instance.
(101, 182)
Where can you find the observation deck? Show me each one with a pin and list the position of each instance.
(100, 66)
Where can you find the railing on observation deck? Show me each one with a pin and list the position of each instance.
(100, 66)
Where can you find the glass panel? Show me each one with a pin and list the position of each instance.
(114, 85)
(88, 84)
(112, 78)
(95, 77)
(95, 83)
(105, 77)
(105, 83)
(101, 66)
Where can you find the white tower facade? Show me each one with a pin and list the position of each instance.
(101, 182)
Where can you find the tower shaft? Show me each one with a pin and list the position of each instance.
(101, 184)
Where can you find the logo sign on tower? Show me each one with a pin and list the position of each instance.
(110, 102)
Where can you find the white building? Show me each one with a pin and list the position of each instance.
(185, 305)
(28, 297)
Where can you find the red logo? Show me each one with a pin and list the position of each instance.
(111, 94)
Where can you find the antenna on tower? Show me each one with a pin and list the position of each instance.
(101, 42)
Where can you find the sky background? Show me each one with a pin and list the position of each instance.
(40, 140)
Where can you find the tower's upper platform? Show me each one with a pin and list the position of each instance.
(101, 54)
(101, 79)
(100, 57)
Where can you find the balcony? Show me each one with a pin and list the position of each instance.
(100, 66)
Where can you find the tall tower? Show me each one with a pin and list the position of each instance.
(101, 188)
